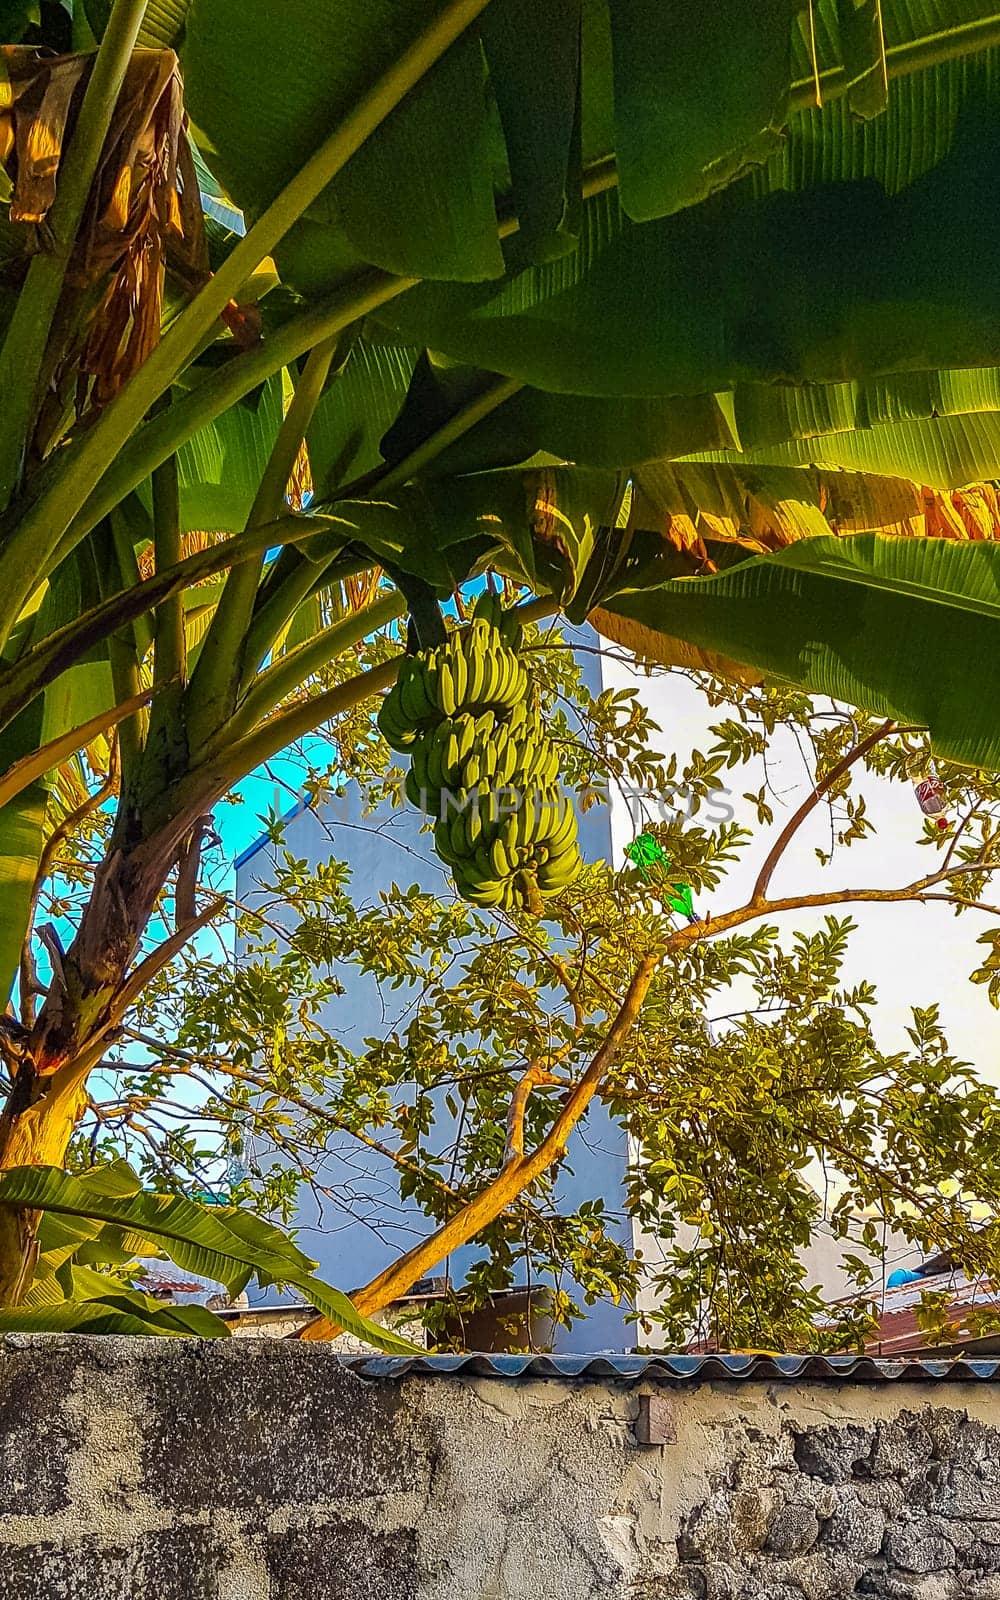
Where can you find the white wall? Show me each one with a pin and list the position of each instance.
(915, 954)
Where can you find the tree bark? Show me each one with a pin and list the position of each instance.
(50, 1063)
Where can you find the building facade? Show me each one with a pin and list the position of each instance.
(359, 1224)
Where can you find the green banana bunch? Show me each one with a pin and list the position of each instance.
(482, 764)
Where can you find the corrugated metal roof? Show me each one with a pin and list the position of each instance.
(681, 1368)
(155, 1283)
(898, 1332)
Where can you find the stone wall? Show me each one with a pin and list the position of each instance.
(261, 1470)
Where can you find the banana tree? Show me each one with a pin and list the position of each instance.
(485, 327)
(97, 1230)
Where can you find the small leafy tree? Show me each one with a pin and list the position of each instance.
(734, 1110)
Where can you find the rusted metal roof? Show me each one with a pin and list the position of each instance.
(683, 1368)
(898, 1332)
(155, 1283)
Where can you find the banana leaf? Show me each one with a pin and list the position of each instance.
(589, 431)
(266, 83)
(839, 280)
(542, 132)
(688, 98)
(220, 468)
(222, 1243)
(119, 1313)
(22, 838)
(823, 266)
(197, 1239)
(770, 414)
(905, 628)
(701, 93)
(945, 452)
(359, 405)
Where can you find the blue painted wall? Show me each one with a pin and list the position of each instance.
(360, 1225)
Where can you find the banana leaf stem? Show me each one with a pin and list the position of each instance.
(901, 61)
(169, 645)
(23, 679)
(30, 552)
(393, 475)
(21, 358)
(205, 783)
(289, 672)
(222, 664)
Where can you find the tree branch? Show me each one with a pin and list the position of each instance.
(536, 1075)
(810, 803)
(513, 1178)
(71, 1077)
(753, 910)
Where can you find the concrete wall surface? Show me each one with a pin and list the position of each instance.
(257, 1470)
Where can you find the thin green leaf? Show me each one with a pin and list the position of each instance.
(337, 1308)
(163, 24)
(109, 1317)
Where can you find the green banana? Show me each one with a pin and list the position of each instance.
(410, 693)
(500, 860)
(511, 631)
(460, 673)
(467, 725)
(456, 832)
(467, 715)
(451, 760)
(447, 699)
(488, 607)
(472, 826)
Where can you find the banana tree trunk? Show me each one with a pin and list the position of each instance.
(35, 1130)
(51, 1062)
